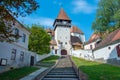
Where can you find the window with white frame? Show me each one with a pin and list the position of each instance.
(13, 54)
(24, 37)
(22, 56)
(16, 31)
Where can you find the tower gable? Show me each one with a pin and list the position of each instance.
(62, 15)
(62, 20)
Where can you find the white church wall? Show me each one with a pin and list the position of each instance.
(41, 57)
(80, 36)
(87, 46)
(62, 34)
(108, 52)
(85, 54)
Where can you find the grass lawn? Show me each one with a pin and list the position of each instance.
(49, 61)
(16, 74)
(98, 71)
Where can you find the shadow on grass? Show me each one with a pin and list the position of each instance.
(48, 62)
(16, 74)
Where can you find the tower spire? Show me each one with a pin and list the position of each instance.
(62, 15)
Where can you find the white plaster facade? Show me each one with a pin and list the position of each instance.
(62, 34)
(80, 36)
(108, 52)
(16, 54)
(85, 54)
(89, 46)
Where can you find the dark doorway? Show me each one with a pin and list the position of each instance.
(32, 61)
(63, 52)
(55, 51)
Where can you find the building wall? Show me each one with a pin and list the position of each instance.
(6, 53)
(62, 34)
(80, 36)
(87, 46)
(85, 54)
(41, 57)
(108, 52)
(22, 55)
(21, 32)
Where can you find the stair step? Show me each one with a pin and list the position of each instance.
(60, 79)
(61, 76)
(61, 73)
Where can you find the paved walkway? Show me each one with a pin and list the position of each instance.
(62, 71)
(34, 74)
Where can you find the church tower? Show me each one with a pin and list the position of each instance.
(62, 25)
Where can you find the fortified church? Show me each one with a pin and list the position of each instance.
(65, 36)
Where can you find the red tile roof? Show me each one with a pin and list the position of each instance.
(50, 31)
(53, 42)
(94, 37)
(53, 32)
(112, 37)
(75, 29)
(62, 15)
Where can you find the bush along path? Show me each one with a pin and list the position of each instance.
(98, 71)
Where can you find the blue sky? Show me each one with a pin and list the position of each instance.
(81, 12)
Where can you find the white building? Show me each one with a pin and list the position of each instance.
(108, 50)
(75, 31)
(93, 41)
(16, 54)
(61, 43)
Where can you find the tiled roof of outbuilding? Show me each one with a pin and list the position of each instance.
(112, 37)
(94, 37)
(75, 29)
(53, 42)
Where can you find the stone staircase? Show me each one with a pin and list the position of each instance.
(62, 71)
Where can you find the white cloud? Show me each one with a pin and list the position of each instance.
(82, 6)
(57, 3)
(40, 20)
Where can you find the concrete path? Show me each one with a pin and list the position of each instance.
(34, 74)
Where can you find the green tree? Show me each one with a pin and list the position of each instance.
(107, 15)
(39, 40)
(10, 8)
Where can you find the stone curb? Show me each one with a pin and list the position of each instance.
(34, 74)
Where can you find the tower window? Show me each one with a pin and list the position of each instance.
(64, 22)
(65, 42)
